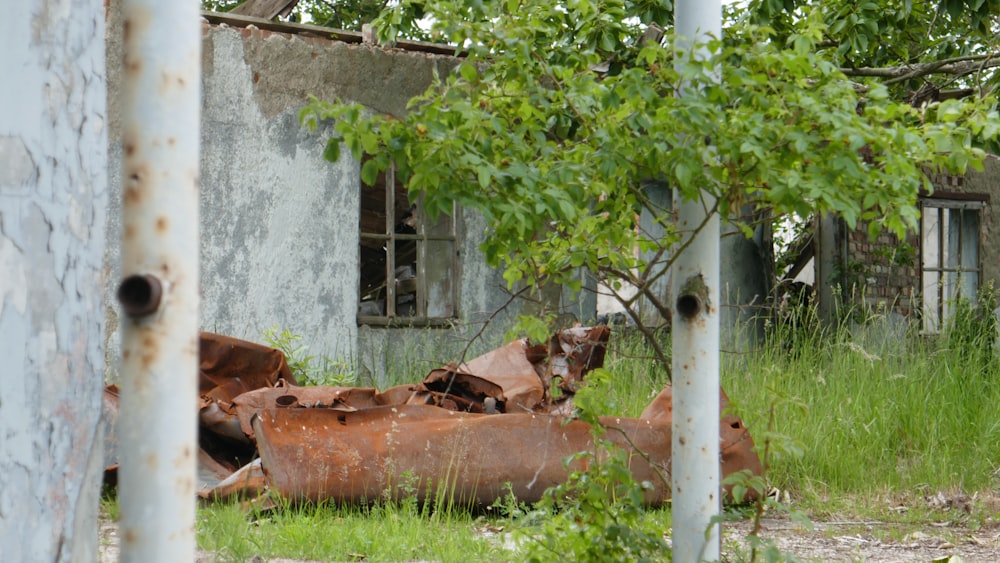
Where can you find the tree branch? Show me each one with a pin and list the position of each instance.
(956, 66)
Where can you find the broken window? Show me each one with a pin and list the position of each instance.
(949, 257)
(408, 262)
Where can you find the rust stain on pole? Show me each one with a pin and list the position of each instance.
(159, 290)
(692, 297)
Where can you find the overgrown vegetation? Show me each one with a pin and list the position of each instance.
(562, 116)
(886, 408)
(597, 514)
(858, 420)
(308, 369)
(384, 531)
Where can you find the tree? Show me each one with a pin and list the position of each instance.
(920, 50)
(560, 115)
(340, 14)
(53, 190)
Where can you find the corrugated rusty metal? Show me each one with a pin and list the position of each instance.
(317, 454)
(735, 443)
(471, 428)
(229, 367)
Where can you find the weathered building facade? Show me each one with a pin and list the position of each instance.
(953, 255)
(289, 239)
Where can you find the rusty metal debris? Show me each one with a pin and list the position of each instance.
(473, 429)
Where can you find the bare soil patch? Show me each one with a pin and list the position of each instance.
(870, 541)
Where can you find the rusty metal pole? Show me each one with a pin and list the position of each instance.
(159, 290)
(695, 344)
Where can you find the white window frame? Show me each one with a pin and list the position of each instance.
(950, 266)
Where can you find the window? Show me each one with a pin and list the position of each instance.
(407, 261)
(949, 257)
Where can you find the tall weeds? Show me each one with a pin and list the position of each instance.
(887, 408)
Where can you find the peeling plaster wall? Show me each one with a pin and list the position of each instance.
(53, 195)
(279, 223)
(275, 249)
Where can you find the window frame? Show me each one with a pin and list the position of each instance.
(937, 311)
(422, 238)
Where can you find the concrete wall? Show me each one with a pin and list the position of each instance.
(52, 203)
(279, 223)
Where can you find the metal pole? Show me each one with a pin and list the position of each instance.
(695, 345)
(159, 290)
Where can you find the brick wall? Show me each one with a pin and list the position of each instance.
(884, 274)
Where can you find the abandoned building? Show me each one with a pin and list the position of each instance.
(294, 241)
(953, 256)
(291, 240)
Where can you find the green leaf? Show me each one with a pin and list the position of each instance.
(369, 141)
(567, 208)
(469, 72)
(332, 151)
(483, 176)
(369, 172)
(683, 173)
(608, 42)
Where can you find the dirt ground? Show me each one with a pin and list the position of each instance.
(870, 541)
(828, 541)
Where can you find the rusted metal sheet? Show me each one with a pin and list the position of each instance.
(524, 373)
(246, 482)
(316, 454)
(572, 353)
(354, 456)
(229, 367)
(458, 391)
(289, 396)
(508, 368)
(735, 443)
(472, 428)
(109, 415)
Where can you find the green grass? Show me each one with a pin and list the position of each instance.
(875, 414)
(638, 376)
(880, 415)
(382, 532)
